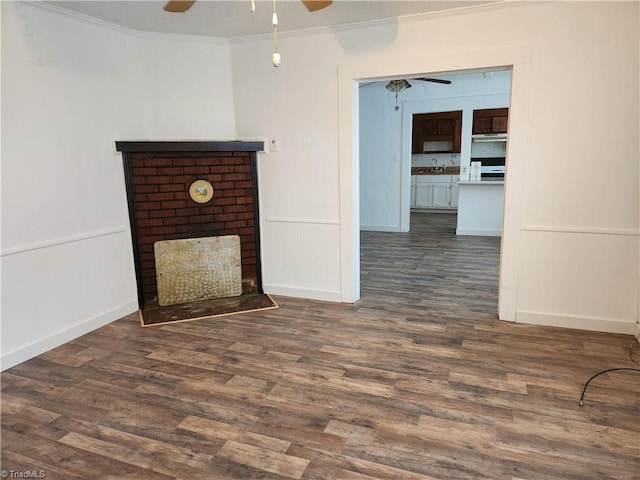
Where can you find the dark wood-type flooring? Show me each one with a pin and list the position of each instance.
(418, 380)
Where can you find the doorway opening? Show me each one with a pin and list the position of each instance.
(405, 190)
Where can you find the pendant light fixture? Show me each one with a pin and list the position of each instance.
(275, 58)
(397, 86)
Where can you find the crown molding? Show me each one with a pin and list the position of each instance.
(348, 27)
(125, 30)
(287, 34)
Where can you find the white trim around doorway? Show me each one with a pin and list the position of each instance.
(349, 75)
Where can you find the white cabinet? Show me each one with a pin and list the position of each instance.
(424, 195)
(441, 194)
(480, 211)
(413, 191)
(434, 191)
(454, 192)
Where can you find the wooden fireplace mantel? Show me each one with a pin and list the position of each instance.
(189, 146)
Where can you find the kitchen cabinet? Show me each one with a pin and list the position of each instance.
(441, 195)
(442, 129)
(480, 208)
(424, 197)
(491, 120)
(453, 203)
(414, 190)
(434, 191)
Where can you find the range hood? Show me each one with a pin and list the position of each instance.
(489, 137)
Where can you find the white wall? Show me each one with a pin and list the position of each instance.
(70, 88)
(310, 188)
(299, 195)
(187, 87)
(380, 158)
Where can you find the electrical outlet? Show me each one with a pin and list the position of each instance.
(273, 145)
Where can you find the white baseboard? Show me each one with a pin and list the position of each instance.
(380, 228)
(433, 210)
(286, 291)
(627, 327)
(479, 233)
(13, 358)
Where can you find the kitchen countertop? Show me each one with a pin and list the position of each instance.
(428, 170)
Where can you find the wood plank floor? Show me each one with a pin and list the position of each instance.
(418, 380)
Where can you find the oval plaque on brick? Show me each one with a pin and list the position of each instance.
(201, 191)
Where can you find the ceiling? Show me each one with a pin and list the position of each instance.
(233, 19)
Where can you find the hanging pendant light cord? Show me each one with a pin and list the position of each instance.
(275, 27)
(275, 58)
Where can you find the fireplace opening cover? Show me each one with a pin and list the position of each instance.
(195, 269)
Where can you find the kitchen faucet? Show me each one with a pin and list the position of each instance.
(436, 168)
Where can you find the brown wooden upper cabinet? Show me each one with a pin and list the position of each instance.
(491, 120)
(439, 132)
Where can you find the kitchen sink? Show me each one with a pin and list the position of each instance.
(436, 170)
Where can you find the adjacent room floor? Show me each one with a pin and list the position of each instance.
(418, 380)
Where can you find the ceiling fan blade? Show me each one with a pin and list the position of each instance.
(435, 80)
(178, 6)
(314, 5)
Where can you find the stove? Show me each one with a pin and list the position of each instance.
(491, 167)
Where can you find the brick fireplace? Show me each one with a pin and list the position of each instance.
(158, 177)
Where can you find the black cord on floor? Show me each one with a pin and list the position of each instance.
(600, 373)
